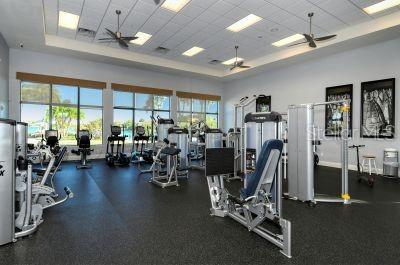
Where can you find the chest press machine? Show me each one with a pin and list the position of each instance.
(261, 198)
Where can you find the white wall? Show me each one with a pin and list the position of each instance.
(4, 64)
(47, 64)
(306, 83)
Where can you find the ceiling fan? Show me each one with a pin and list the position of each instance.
(117, 36)
(310, 38)
(238, 64)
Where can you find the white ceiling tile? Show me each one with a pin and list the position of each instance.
(252, 5)
(144, 7)
(181, 19)
(164, 14)
(203, 3)
(191, 10)
(71, 6)
(223, 22)
(221, 7)
(208, 16)
(236, 13)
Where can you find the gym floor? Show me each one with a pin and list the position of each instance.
(117, 217)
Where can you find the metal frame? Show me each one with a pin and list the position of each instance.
(306, 190)
(254, 210)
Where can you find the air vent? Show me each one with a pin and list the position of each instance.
(86, 32)
(161, 50)
(214, 62)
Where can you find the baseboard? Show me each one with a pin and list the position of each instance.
(339, 165)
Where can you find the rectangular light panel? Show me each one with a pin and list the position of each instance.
(244, 23)
(378, 7)
(288, 40)
(142, 38)
(232, 61)
(174, 5)
(68, 20)
(193, 51)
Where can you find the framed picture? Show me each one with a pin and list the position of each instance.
(377, 109)
(263, 103)
(333, 113)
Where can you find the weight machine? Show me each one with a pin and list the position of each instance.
(19, 215)
(301, 146)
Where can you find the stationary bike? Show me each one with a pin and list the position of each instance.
(361, 177)
(83, 142)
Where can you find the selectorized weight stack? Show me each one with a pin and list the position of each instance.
(301, 143)
(18, 215)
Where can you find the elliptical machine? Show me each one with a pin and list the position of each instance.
(116, 157)
(83, 142)
(141, 154)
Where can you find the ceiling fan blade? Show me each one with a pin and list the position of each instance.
(234, 67)
(129, 38)
(111, 33)
(107, 39)
(245, 66)
(157, 2)
(308, 37)
(312, 44)
(325, 38)
(239, 63)
(122, 43)
(298, 43)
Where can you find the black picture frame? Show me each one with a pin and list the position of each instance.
(378, 109)
(263, 103)
(333, 126)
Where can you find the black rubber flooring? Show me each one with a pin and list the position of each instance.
(117, 217)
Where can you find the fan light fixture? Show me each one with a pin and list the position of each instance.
(193, 51)
(142, 38)
(288, 40)
(378, 7)
(244, 23)
(174, 5)
(68, 20)
(232, 61)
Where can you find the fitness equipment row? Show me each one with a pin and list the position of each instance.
(26, 191)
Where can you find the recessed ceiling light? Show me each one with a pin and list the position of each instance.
(174, 5)
(378, 7)
(288, 40)
(142, 38)
(244, 23)
(67, 20)
(232, 61)
(193, 51)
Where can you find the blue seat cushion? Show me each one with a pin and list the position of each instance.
(254, 178)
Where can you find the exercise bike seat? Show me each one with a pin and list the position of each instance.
(171, 151)
(254, 178)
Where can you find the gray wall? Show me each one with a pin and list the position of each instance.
(39, 63)
(306, 83)
(4, 65)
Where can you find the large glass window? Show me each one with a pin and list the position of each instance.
(137, 108)
(191, 111)
(61, 107)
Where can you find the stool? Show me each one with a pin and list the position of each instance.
(367, 161)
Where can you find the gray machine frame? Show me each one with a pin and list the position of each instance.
(254, 210)
(301, 146)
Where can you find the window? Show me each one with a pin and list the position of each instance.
(192, 111)
(135, 109)
(61, 107)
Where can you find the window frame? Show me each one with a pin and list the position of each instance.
(204, 114)
(133, 108)
(50, 104)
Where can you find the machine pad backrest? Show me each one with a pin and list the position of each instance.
(267, 158)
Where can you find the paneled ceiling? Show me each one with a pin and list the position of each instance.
(203, 23)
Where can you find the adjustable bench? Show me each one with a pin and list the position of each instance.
(259, 201)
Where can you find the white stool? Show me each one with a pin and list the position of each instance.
(368, 161)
